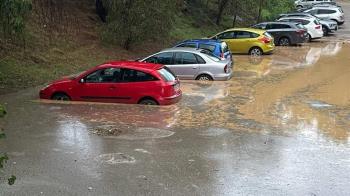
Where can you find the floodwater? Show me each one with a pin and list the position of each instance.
(281, 126)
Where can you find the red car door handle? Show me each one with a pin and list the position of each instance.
(112, 88)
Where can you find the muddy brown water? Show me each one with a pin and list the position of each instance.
(280, 126)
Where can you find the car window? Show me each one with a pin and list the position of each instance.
(207, 47)
(188, 45)
(226, 35)
(242, 34)
(312, 11)
(130, 75)
(166, 74)
(200, 60)
(184, 58)
(108, 75)
(324, 11)
(261, 26)
(210, 55)
(165, 58)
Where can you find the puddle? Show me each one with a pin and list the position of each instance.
(115, 158)
(213, 132)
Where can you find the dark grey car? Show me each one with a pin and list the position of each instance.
(284, 33)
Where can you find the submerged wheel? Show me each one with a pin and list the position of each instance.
(204, 77)
(60, 97)
(308, 38)
(284, 41)
(325, 31)
(148, 101)
(255, 51)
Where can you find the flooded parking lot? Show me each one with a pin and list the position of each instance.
(280, 126)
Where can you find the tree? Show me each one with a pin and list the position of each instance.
(3, 157)
(222, 4)
(133, 20)
(13, 14)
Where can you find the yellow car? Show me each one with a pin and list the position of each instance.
(247, 41)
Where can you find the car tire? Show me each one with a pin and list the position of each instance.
(204, 77)
(308, 38)
(284, 41)
(60, 97)
(325, 31)
(256, 51)
(148, 101)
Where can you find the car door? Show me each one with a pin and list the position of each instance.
(99, 85)
(135, 84)
(244, 41)
(228, 37)
(185, 65)
(164, 58)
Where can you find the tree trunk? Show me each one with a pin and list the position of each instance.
(221, 7)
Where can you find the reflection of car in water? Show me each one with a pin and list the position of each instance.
(120, 115)
(304, 56)
(198, 93)
(332, 49)
(252, 66)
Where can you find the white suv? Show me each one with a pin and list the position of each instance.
(331, 12)
(309, 3)
(312, 25)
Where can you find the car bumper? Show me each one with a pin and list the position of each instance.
(223, 77)
(268, 49)
(170, 100)
(44, 94)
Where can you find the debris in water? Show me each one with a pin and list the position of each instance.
(319, 104)
(115, 158)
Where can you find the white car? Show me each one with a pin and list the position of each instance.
(328, 12)
(312, 25)
(309, 3)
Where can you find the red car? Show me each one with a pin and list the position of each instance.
(119, 82)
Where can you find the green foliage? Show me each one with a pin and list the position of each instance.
(275, 7)
(4, 158)
(11, 180)
(13, 15)
(2, 111)
(135, 20)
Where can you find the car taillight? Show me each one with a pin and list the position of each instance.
(265, 40)
(222, 55)
(176, 86)
(226, 69)
(318, 27)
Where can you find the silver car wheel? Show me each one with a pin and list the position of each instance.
(204, 78)
(256, 52)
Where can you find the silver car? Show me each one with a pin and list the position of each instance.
(193, 64)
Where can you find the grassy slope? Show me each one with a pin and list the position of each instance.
(52, 52)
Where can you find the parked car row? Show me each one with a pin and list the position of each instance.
(154, 80)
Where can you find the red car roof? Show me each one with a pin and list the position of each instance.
(133, 65)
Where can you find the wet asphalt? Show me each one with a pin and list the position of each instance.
(281, 126)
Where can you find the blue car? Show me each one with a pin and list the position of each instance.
(216, 47)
